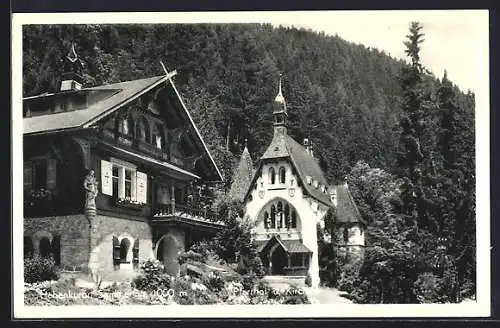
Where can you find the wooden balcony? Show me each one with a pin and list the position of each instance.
(187, 215)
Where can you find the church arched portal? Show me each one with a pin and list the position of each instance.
(279, 260)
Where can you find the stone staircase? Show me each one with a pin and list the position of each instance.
(285, 281)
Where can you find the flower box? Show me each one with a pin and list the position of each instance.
(129, 203)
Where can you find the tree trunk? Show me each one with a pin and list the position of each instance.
(228, 134)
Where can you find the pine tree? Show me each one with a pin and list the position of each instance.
(457, 189)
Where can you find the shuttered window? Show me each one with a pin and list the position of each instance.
(123, 181)
(40, 174)
(116, 253)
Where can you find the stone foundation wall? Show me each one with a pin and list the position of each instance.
(103, 230)
(74, 232)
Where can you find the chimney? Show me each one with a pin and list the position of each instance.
(73, 65)
(71, 82)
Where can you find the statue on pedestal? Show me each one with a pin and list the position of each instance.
(91, 185)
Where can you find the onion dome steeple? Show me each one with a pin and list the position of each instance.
(279, 111)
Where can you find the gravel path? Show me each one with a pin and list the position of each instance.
(324, 295)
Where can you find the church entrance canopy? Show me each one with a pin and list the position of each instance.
(284, 257)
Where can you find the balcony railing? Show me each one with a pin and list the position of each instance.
(180, 209)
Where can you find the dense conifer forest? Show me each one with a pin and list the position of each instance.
(403, 137)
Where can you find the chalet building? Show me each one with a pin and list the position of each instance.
(288, 197)
(108, 173)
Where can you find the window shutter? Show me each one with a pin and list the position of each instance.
(135, 253)
(28, 175)
(55, 246)
(142, 187)
(116, 252)
(51, 174)
(106, 178)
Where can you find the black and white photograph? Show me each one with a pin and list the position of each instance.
(251, 164)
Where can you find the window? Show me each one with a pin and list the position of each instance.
(346, 235)
(267, 221)
(125, 125)
(39, 174)
(143, 130)
(279, 222)
(44, 247)
(273, 217)
(157, 137)
(126, 182)
(288, 221)
(124, 250)
(282, 215)
(115, 180)
(272, 176)
(282, 174)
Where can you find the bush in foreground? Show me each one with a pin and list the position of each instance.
(40, 269)
(153, 278)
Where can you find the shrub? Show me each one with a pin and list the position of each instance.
(213, 281)
(250, 281)
(427, 288)
(40, 269)
(191, 256)
(347, 277)
(152, 277)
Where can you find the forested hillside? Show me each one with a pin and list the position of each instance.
(345, 97)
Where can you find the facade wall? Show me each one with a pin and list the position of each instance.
(103, 230)
(74, 232)
(310, 212)
(356, 236)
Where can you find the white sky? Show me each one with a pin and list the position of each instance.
(454, 40)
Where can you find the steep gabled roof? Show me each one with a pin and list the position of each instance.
(122, 93)
(125, 93)
(283, 146)
(242, 177)
(347, 211)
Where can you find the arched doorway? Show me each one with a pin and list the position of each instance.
(167, 252)
(279, 260)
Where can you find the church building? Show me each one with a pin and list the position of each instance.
(287, 196)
